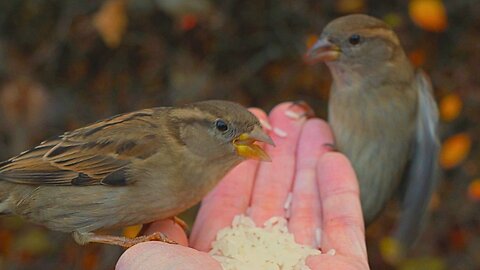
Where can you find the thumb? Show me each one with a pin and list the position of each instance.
(162, 256)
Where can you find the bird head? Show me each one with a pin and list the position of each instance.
(220, 129)
(357, 45)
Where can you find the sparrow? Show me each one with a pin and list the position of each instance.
(132, 168)
(383, 116)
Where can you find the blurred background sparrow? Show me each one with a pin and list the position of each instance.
(129, 169)
(383, 116)
(65, 64)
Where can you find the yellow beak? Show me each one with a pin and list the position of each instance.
(246, 147)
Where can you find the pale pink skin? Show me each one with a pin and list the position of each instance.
(325, 195)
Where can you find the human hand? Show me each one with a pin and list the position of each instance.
(324, 212)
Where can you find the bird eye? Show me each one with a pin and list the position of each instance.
(354, 39)
(221, 125)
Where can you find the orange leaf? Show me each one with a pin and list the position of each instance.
(90, 260)
(350, 6)
(458, 238)
(429, 15)
(430, 263)
(450, 107)
(391, 250)
(111, 22)
(474, 190)
(188, 22)
(310, 40)
(454, 150)
(417, 57)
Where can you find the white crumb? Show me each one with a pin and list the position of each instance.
(243, 246)
(265, 124)
(279, 132)
(293, 115)
(331, 252)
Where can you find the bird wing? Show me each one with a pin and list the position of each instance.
(422, 174)
(96, 154)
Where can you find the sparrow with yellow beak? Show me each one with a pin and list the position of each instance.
(130, 169)
(383, 116)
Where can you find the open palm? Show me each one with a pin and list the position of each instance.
(324, 210)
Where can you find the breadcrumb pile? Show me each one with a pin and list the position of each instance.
(243, 246)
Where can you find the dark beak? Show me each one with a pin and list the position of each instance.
(322, 51)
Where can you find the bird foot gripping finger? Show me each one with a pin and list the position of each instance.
(156, 236)
(307, 110)
(180, 222)
(84, 238)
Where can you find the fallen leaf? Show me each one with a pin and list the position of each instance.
(391, 250)
(417, 57)
(350, 6)
(429, 15)
(111, 22)
(310, 40)
(33, 242)
(393, 19)
(457, 238)
(188, 22)
(454, 150)
(474, 190)
(90, 260)
(450, 107)
(423, 263)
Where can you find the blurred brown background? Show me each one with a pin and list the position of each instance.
(65, 63)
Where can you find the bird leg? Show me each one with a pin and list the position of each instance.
(84, 238)
(308, 111)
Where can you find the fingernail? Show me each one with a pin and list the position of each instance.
(265, 124)
(318, 237)
(288, 201)
(279, 132)
(293, 115)
(287, 204)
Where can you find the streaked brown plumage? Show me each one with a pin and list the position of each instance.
(129, 169)
(383, 116)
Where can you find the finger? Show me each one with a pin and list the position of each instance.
(274, 179)
(230, 198)
(342, 220)
(157, 255)
(325, 261)
(305, 208)
(171, 229)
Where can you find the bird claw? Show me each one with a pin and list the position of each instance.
(180, 222)
(156, 236)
